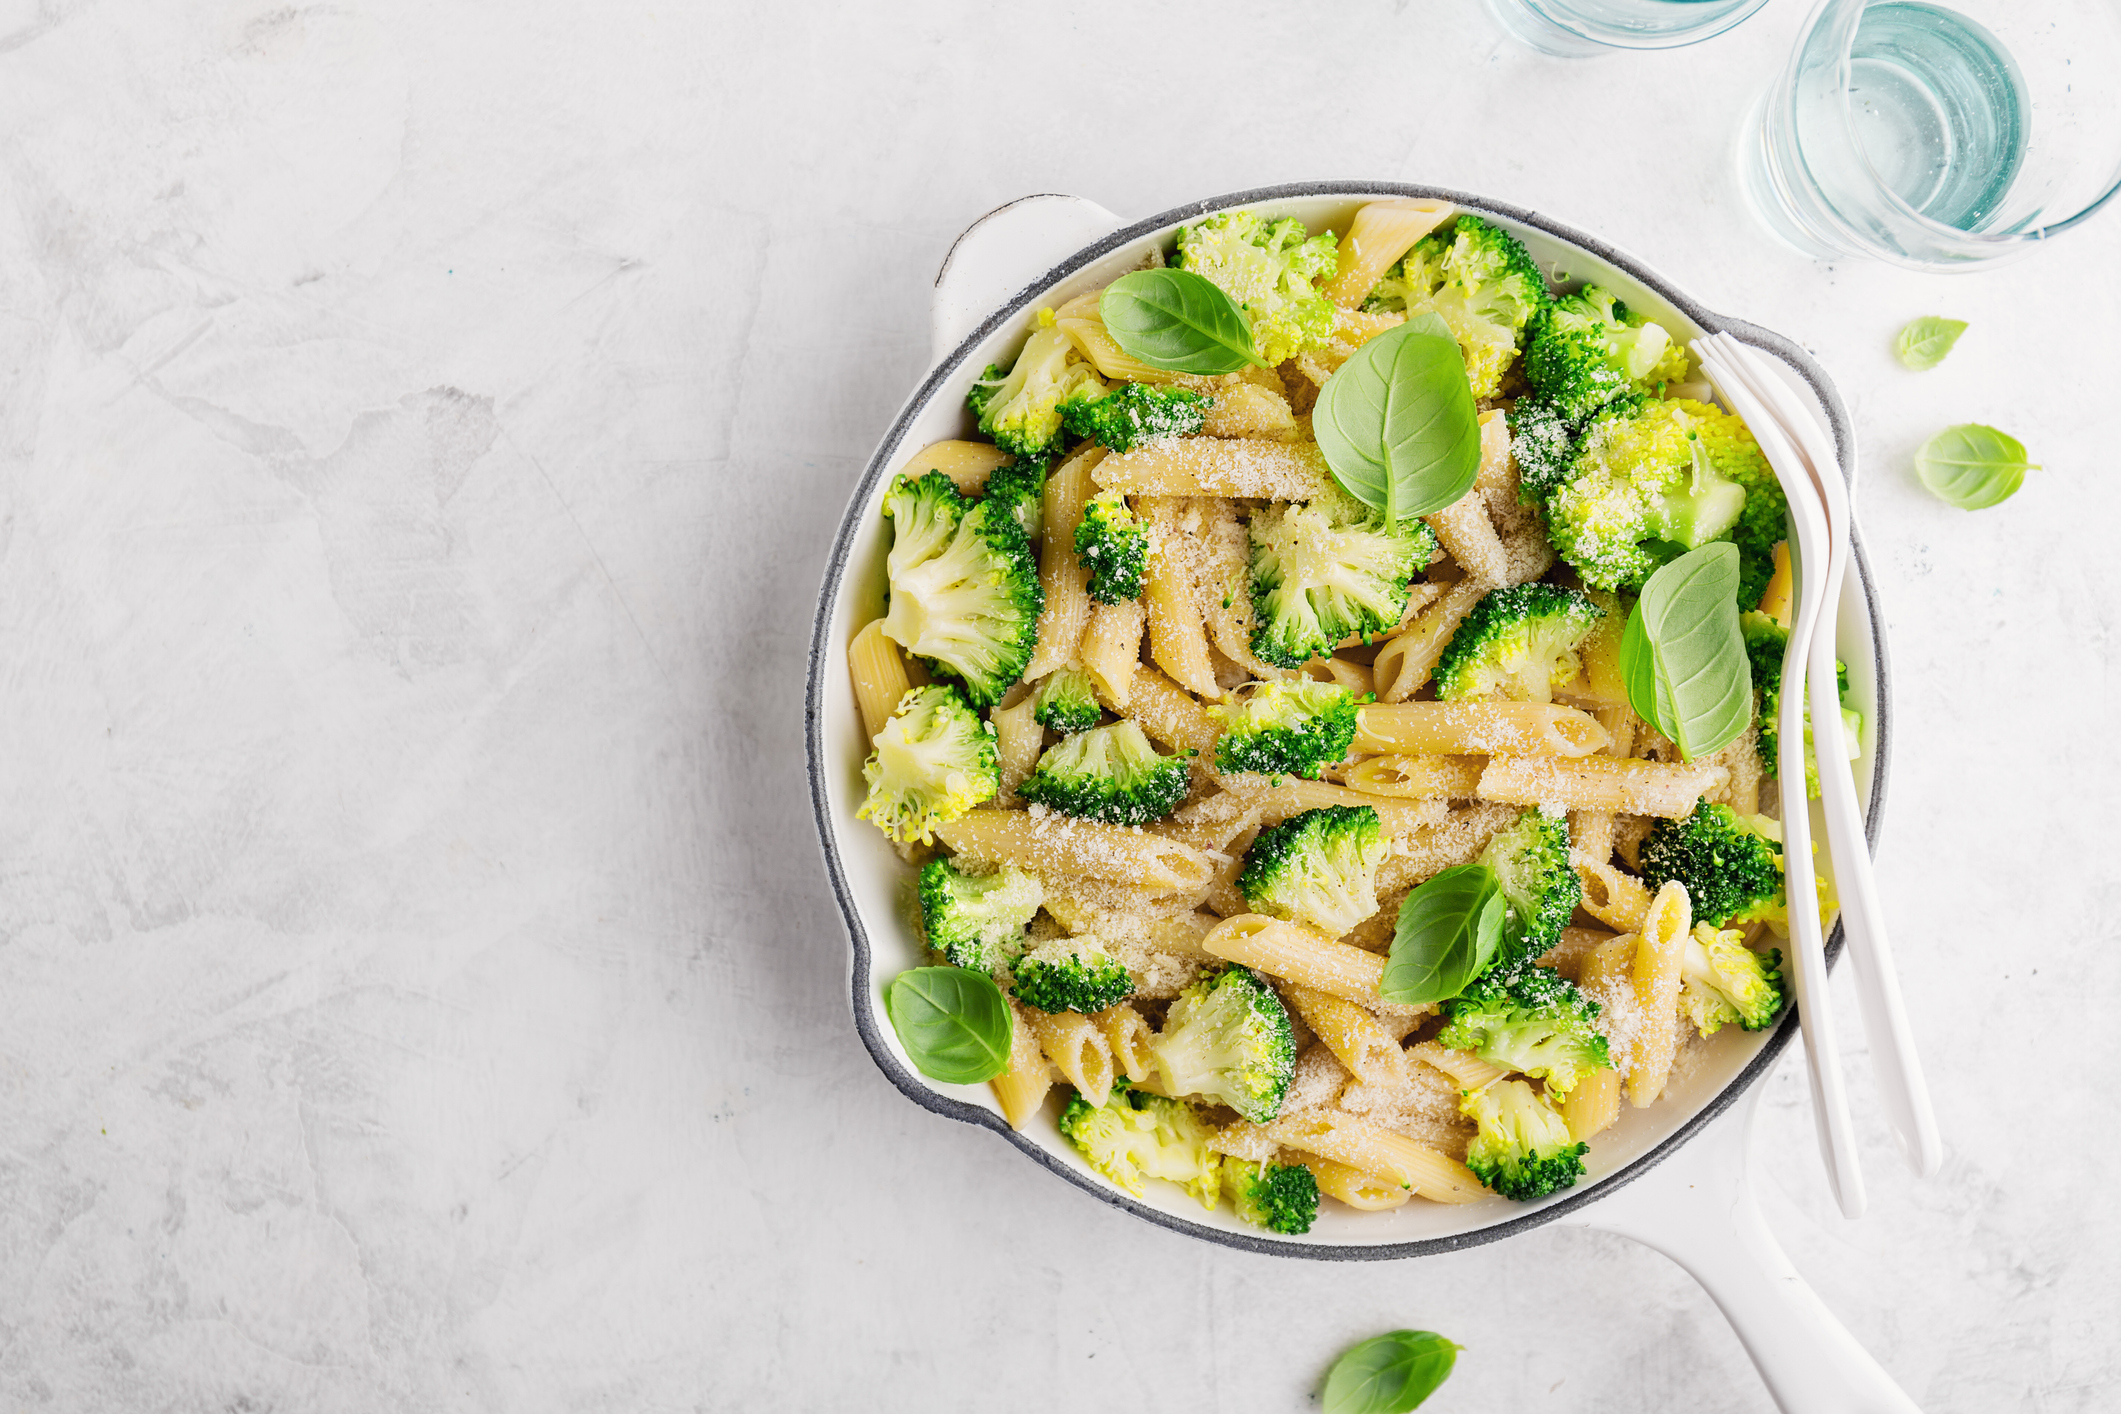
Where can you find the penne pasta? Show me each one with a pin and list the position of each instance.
(1380, 234)
(1465, 530)
(1060, 574)
(1078, 1049)
(1356, 677)
(1218, 466)
(1168, 713)
(1178, 637)
(1300, 954)
(1361, 1191)
(1659, 951)
(1249, 410)
(1047, 842)
(1354, 1141)
(1407, 660)
(1468, 1070)
(1022, 1088)
(967, 464)
(1598, 683)
(1478, 729)
(880, 679)
(1018, 740)
(1600, 783)
(1591, 835)
(1592, 1104)
(1613, 896)
(1112, 649)
(1418, 777)
(1127, 1036)
(1398, 817)
(1352, 1033)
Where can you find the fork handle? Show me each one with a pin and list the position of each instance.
(1893, 1056)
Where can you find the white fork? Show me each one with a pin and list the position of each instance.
(1894, 1059)
(1830, 1106)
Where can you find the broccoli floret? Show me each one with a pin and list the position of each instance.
(1287, 728)
(1137, 412)
(1483, 282)
(1721, 980)
(1071, 974)
(1136, 1135)
(1328, 569)
(1540, 887)
(1113, 544)
(1278, 1197)
(1021, 409)
(1651, 479)
(976, 921)
(1319, 867)
(1528, 1019)
(1588, 348)
(1523, 1149)
(1227, 1038)
(1543, 444)
(1519, 641)
(933, 761)
(1765, 640)
(1111, 774)
(1732, 870)
(1066, 701)
(1021, 486)
(1267, 269)
(964, 585)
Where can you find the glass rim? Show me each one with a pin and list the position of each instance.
(1844, 73)
(1641, 42)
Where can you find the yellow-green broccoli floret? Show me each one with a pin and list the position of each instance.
(1531, 1020)
(933, 761)
(1723, 980)
(1540, 887)
(1484, 284)
(1523, 1150)
(976, 921)
(1268, 269)
(1278, 1197)
(1651, 479)
(1113, 544)
(1227, 1039)
(1286, 728)
(1135, 1135)
(1066, 701)
(1731, 866)
(1110, 774)
(1021, 409)
(1765, 641)
(1318, 867)
(1588, 348)
(1519, 642)
(1071, 974)
(964, 585)
(1136, 413)
(1326, 570)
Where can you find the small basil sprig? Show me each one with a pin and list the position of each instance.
(1923, 344)
(953, 1023)
(1177, 321)
(1390, 1374)
(1397, 424)
(1972, 467)
(1449, 931)
(1682, 655)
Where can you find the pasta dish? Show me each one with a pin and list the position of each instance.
(1326, 707)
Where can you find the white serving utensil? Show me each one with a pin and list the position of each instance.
(1830, 1108)
(1894, 1059)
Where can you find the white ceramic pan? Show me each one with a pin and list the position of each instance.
(1674, 1175)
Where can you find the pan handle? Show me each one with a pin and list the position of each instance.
(1697, 1208)
(1001, 253)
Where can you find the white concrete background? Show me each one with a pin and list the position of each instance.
(421, 428)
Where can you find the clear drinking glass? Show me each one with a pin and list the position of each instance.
(1577, 29)
(1940, 137)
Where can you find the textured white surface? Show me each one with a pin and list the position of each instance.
(422, 426)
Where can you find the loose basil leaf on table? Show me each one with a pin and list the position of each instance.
(953, 1023)
(1682, 655)
(1390, 1374)
(1397, 424)
(1449, 929)
(1177, 321)
(1923, 344)
(1972, 467)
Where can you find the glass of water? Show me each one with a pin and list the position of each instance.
(1576, 29)
(1939, 136)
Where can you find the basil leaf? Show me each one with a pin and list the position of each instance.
(1971, 466)
(1177, 321)
(1390, 1374)
(1449, 930)
(1924, 343)
(1682, 656)
(953, 1023)
(1397, 423)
